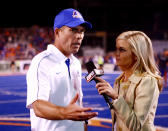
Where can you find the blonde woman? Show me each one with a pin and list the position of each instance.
(136, 90)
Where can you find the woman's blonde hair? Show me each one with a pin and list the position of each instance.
(141, 46)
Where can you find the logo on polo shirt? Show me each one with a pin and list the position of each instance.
(58, 73)
(76, 14)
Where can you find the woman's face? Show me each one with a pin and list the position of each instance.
(125, 59)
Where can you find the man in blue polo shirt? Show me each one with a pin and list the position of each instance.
(54, 93)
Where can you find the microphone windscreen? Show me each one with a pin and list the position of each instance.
(90, 66)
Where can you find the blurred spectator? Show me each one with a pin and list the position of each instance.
(163, 65)
(110, 58)
(100, 61)
(12, 66)
(30, 52)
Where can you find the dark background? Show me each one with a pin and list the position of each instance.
(110, 16)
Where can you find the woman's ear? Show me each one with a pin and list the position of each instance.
(135, 58)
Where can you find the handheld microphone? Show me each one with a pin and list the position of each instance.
(93, 72)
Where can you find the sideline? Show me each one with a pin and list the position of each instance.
(97, 122)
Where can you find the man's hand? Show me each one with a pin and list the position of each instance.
(47, 110)
(77, 113)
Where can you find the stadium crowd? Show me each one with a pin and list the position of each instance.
(25, 43)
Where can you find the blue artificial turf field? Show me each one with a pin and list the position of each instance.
(15, 117)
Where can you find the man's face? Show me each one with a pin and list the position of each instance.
(69, 39)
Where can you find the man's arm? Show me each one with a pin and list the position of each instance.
(47, 110)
